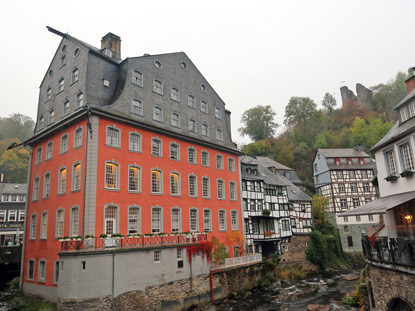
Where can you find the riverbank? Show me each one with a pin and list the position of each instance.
(327, 288)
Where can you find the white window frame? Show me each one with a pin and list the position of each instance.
(132, 145)
(49, 151)
(38, 157)
(137, 78)
(207, 220)
(61, 86)
(191, 155)
(137, 178)
(234, 220)
(175, 119)
(134, 220)
(176, 222)
(157, 256)
(218, 113)
(222, 220)
(175, 185)
(74, 221)
(157, 114)
(205, 105)
(231, 164)
(156, 147)
(192, 126)
(136, 107)
(11, 214)
(115, 181)
(79, 100)
(44, 225)
(158, 87)
(220, 189)
(191, 101)
(46, 185)
(113, 140)
(78, 137)
(3, 215)
(193, 219)
(406, 156)
(62, 181)
(219, 162)
(156, 223)
(33, 226)
(175, 94)
(64, 143)
(205, 130)
(204, 152)
(74, 75)
(41, 277)
(232, 191)
(31, 272)
(159, 185)
(219, 134)
(205, 188)
(174, 145)
(76, 176)
(60, 220)
(192, 193)
(66, 107)
(390, 162)
(36, 186)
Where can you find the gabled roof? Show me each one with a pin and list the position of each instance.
(13, 188)
(396, 132)
(408, 97)
(264, 173)
(296, 194)
(267, 162)
(381, 205)
(343, 153)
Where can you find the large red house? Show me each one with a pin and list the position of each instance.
(139, 147)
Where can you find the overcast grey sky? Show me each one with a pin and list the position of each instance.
(251, 52)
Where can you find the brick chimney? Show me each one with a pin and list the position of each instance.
(111, 45)
(410, 82)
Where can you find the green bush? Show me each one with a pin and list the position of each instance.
(317, 251)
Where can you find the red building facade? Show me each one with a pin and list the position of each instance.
(106, 166)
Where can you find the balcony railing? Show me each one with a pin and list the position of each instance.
(236, 261)
(394, 251)
(131, 242)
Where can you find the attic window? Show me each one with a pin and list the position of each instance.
(362, 161)
(404, 114)
(337, 161)
(50, 72)
(203, 87)
(158, 64)
(76, 52)
(248, 170)
(106, 83)
(255, 172)
(64, 48)
(349, 161)
(184, 65)
(108, 52)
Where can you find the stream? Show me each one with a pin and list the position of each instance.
(325, 289)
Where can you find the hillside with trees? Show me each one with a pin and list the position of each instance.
(308, 128)
(14, 162)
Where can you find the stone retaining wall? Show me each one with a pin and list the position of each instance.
(389, 284)
(295, 255)
(173, 296)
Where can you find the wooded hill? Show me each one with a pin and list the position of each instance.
(308, 128)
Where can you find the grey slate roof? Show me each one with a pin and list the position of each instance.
(396, 132)
(267, 162)
(263, 173)
(13, 188)
(343, 153)
(295, 194)
(281, 169)
(381, 205)
(409, 96)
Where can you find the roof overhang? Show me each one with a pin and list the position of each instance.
(381, 205)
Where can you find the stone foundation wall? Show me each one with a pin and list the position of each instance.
(173, 296)
(390, 284)
(295, 255)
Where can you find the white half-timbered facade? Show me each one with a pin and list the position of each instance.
(266, 209)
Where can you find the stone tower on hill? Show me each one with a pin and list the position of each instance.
(364, 98)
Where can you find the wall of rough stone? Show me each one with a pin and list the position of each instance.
(173, 296)
(295, 254)
(389, 284)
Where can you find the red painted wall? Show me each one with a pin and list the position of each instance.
(48, 249)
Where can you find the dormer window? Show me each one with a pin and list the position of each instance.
(362, 161)
(404, 114)
(337, 161)
(411, 108)
(349, 161)
(108, 52)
